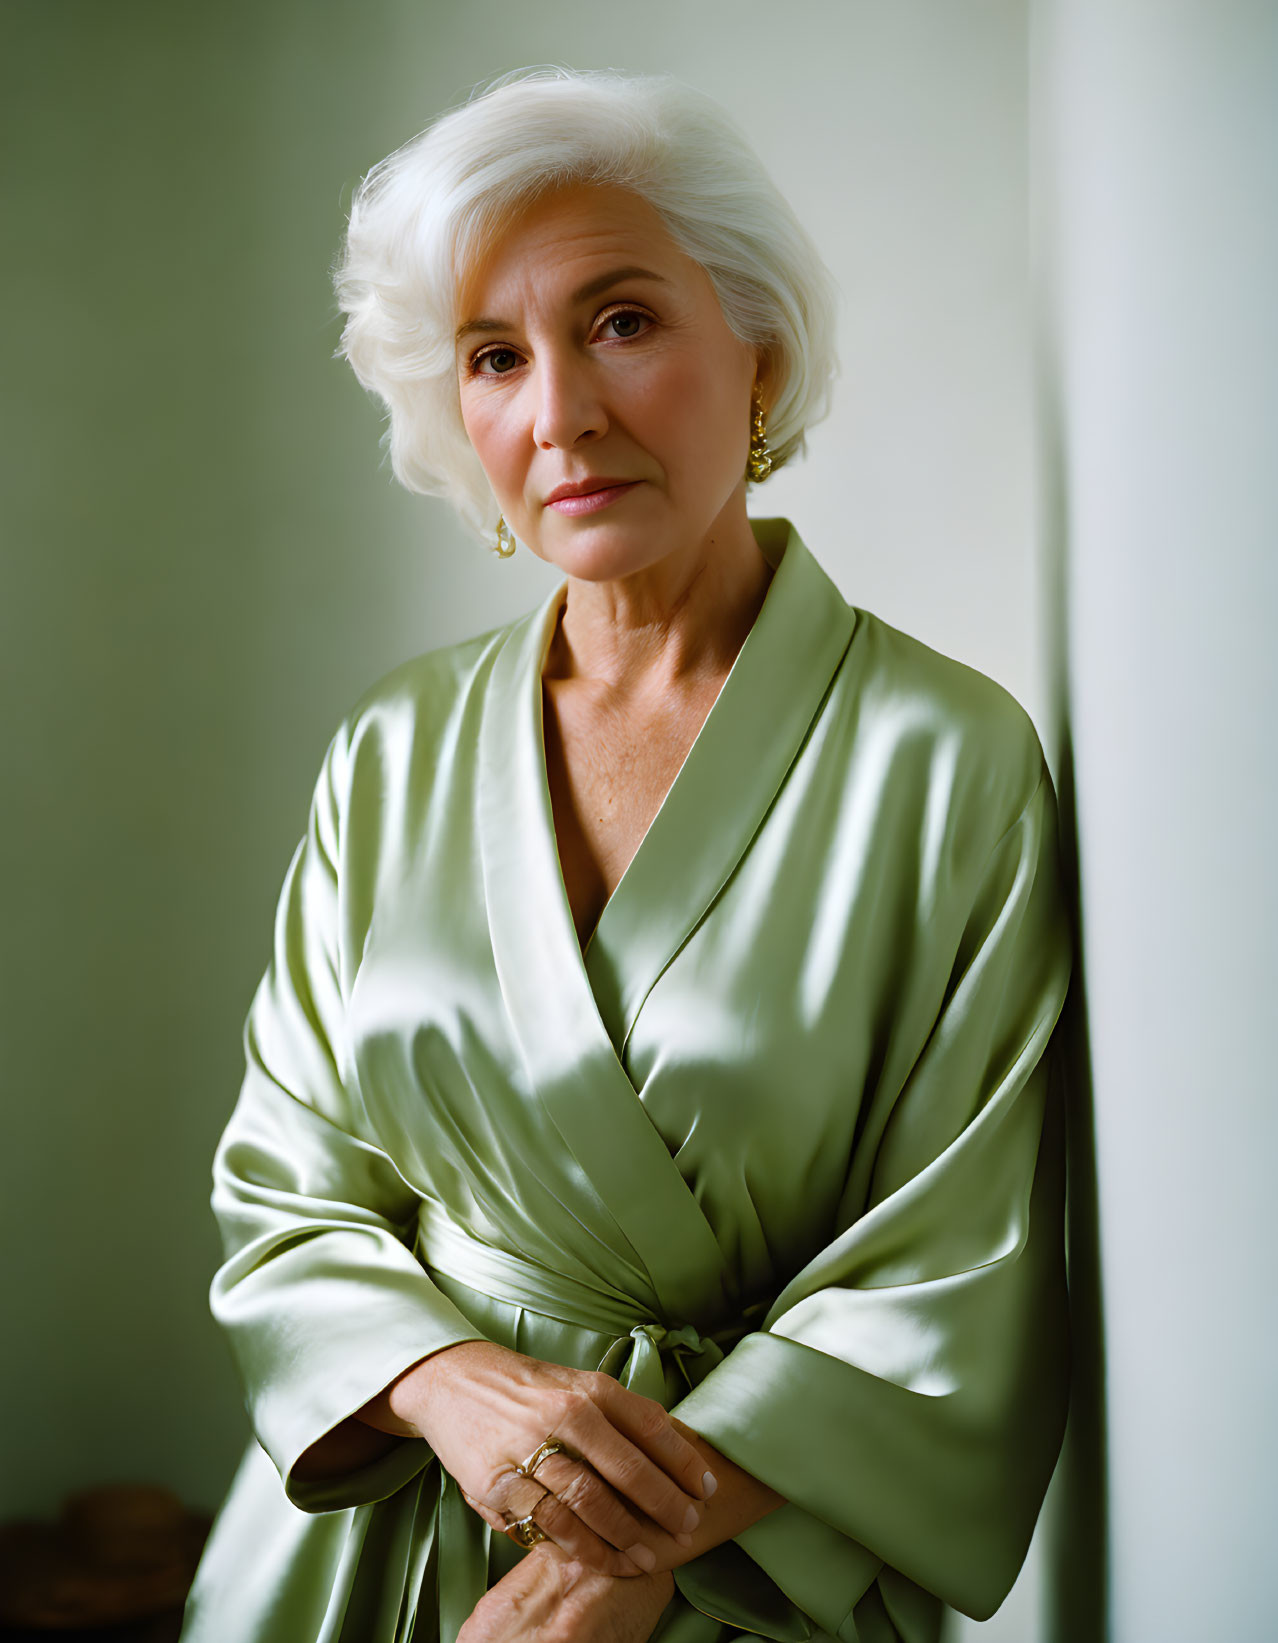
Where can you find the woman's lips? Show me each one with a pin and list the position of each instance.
(593, 500)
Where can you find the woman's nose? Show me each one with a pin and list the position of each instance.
(567, 404)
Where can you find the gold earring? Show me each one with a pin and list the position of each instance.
(759, 465)
(505, 538)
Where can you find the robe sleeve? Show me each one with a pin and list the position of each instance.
(319, 1292)
(907, 1390)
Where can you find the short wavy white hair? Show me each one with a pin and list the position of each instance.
(424, 216)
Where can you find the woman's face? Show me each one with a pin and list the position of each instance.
(592, 349)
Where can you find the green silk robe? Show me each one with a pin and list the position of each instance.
(782, 1149)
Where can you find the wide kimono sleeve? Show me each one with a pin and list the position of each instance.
(907, 1390)
(319, 1292)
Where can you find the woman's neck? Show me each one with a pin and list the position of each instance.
(673, 624)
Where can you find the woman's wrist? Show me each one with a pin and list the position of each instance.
(398, 1411)
(402, 1408)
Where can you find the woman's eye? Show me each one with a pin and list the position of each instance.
(627, 322)
(503, 361)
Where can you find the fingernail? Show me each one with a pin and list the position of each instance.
(691, 1518)
(644, 1556)
(684, 1540)
(709, 1483)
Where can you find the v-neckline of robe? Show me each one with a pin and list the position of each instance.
(554, 613)
(572, 1010)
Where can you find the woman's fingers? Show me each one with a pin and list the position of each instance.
(624, 1463)
(580, 1488)
(566, 1529)
(524, 1498)
(652, 1429)
(490, 1515)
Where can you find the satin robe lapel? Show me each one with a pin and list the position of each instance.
(572, 1015)
(728, 781)
(621, 1166)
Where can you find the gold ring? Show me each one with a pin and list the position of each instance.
(525, 1532)
(543, 1450)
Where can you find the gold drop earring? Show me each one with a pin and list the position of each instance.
(505, 544)
(759, 464)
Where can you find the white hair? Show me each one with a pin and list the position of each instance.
(422, 217)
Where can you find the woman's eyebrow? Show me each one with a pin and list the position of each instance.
(591, 288)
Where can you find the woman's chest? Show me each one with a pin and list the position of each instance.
(750, 1053)
(608, 770)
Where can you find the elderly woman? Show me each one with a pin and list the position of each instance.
(643, 1208)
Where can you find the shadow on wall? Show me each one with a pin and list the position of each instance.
(1076, 1575)
(1077, 1561)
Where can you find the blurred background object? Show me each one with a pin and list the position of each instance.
(117, 1563)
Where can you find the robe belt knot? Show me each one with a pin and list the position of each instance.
(656, 1360)
(637, 1360)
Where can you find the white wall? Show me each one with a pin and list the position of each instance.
(1160, 191)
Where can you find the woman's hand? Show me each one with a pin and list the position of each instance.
(553, 1598)
(628, 1486)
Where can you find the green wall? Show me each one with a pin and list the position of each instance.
(204, 562)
